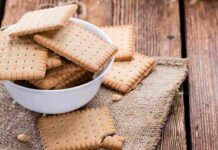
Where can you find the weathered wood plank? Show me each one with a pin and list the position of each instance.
(173, 136)
(202, 50)
(16, 8)
(99, 12)
(158, 33)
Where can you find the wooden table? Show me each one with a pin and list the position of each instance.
(165, 28)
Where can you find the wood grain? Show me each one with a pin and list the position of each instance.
(157, 23)
(173, 135)
(14, 9)
(99, 12)
(17, 8)
(202, 50)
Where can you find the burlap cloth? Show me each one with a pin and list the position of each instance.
(139, 116)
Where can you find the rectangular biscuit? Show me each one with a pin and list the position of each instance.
(79, 45)
(125, 76)
(42, 20)
(81, 129)
(123, 36)
(55, 76)
(21, 58)
(79, 78)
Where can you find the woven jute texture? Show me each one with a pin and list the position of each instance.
(139, 116)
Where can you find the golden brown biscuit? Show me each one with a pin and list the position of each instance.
(123, 37)
(79, 78)
(82, 129)
(125, 76)
(79, 45)
(42, 20)
(54, 61)
(21, 58)
(56, 75)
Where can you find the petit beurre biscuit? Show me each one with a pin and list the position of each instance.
(125, 76)
(79, 45)
(21, 58)
(73, 80)
(42, 20)
(54, 61)
(81, 129)
(55, 76)
(123, 37)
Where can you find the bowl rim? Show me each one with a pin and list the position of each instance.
(107, 67)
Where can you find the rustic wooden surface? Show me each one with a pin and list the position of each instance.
(19, 7)
(173, 136)
(202, 50)
(158, 34)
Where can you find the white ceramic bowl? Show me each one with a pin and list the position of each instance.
(64, 100)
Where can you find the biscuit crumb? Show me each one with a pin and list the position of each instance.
(119, 138)
(14, 102)
(13, 105)
(116, 97)
(114, 143)
(23, 137)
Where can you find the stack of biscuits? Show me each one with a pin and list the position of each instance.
(48, 52)
(130, 67)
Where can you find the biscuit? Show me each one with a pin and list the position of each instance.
(54, 61)
(42, 20)
(116, 97)
(79, 78)
(81, 129)
(125, 76)
(55, 76)
(123, 37)
(79, 45)
(21, 58)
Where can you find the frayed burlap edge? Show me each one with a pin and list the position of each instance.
(174, 129)
(172, 93)
(165, 112)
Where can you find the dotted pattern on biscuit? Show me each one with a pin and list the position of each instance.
(21, 58)
(79, 45)
(42, 20)
(55, 76)
(81, 129)
(125, 76)
(123, 36)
